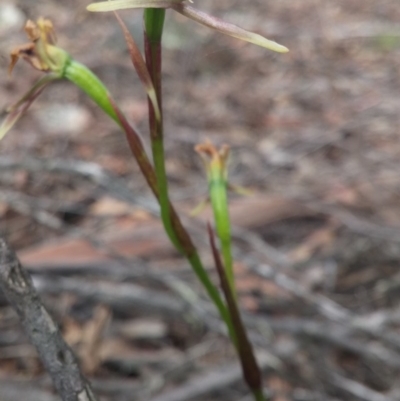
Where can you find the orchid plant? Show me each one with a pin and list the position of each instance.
(43, 54)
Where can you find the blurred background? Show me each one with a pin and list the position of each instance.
(313, 133)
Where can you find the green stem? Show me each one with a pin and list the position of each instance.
(162, 186)
(154, 22)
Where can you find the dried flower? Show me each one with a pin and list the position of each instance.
(43, 54)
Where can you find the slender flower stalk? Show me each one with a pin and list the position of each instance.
(215, 162)
(154, 23)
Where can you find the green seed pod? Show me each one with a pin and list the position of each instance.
(87, 81)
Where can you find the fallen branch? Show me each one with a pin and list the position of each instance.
(58, 359)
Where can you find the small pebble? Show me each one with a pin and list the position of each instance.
(11, 17)
(65, 118)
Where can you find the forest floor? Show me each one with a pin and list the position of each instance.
(314, 134)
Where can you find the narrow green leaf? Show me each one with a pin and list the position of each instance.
(228, 28)
(114, 5)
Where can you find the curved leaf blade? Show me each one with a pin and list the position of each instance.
(115, 5)
(228, 28)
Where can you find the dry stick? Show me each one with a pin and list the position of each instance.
(43, 332)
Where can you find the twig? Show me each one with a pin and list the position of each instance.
(43, 332)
